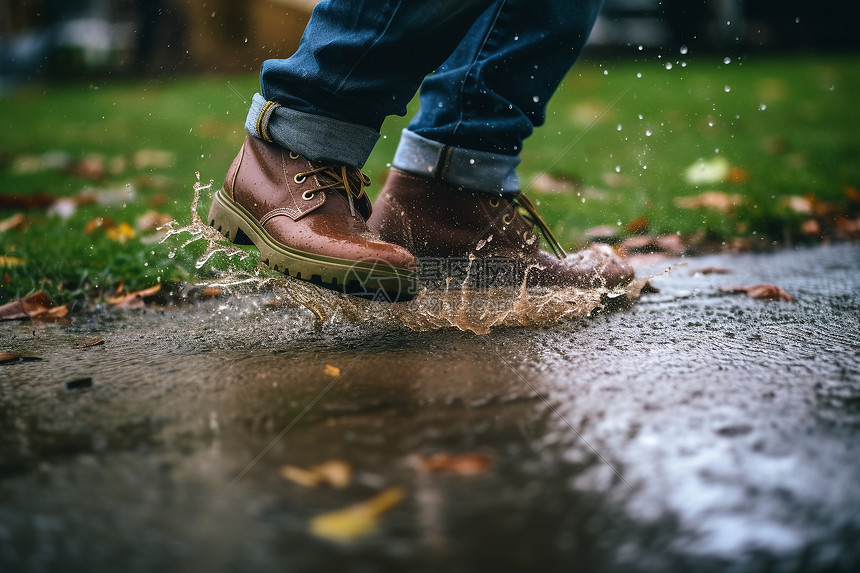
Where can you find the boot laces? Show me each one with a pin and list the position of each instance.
(533, 217)
(349, 179)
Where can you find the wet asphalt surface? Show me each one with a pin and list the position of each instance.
(694, 430)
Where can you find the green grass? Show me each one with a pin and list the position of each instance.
(790, 124)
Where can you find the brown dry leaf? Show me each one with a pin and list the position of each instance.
(36, 305)
(463, 464)
(8, 357)
(332, 371)
(133, 299)
(10, 223)
(638, 287)
(210, 292)
(810, 227)
(152, 221)
(769, 292)
(34, 201)
(88, 342)
(711, 271)
(334, 474)
(638, 225)
(91, 168)
(358, 520)
(738, 175)
(98, 223)
(719, 200)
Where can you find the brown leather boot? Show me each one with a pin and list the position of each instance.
(486, 238)
(309, 221)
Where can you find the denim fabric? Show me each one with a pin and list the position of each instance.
(497, 62)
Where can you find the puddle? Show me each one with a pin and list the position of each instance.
(477, 311)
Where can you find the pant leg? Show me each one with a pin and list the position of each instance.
(488, 96)
(358, 62)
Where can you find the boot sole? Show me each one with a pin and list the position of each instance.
(371, 279)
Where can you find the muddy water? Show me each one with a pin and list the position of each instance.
(694, 430)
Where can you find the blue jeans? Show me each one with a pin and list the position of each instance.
(496, 64)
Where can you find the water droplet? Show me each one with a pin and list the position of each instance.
(605, 72)
(668, 65)
(644, 167)
(516, 38)
(638, 74)
(647, 133)
(684, 50)
(535, 99)
(640, 47)
(618, 169)
(619, 127)
(471, 162)
(727, 60)
(640, 116)
(727, 88)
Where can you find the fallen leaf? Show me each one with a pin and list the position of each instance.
(210, 292)
(769, 292)
(34, 201)
(335, 474)
(738, 175)
(546, 183)
(8, 358)
(10, 223)
(463, 464)
(638, 225)
(36, 305)
(98, 223)
(133, 299)
(333, 371)
(152, 221)
(152, 159)
(87, 342)
(638, 287)
(711, 271)
(6, 261)
(810, 227)
(120, 233)
(724, 202)
(798, 204)
(91, 167)
(707, 172)
(357, 520)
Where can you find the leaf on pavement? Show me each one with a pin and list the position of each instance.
(36, 305)
(133, 299)
(88, 342)
(335, 474)
(768, 292)
(357, 520)
(332, 371)
(8, 358)
(462, 464)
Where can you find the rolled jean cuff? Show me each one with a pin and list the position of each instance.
(316, 137)
(476, 170)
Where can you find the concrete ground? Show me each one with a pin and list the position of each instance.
(695, 430)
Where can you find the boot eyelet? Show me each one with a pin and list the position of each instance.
(308, 195)
(294, 155)
(494, 202)
(507, 219)
(299, 178)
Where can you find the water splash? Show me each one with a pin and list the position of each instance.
(453, 306)
(199, 230)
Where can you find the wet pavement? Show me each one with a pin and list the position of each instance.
(694, 430)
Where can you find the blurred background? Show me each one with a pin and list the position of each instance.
(73, 38)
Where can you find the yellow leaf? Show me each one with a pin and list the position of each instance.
(10, 261)
(357, 520)
(334, 473)
(121, 232)
(332, 371)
